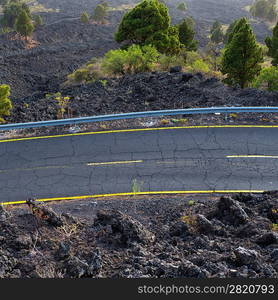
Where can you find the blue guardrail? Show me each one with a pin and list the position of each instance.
(134, 115)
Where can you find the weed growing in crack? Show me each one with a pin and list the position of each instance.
(136, 186)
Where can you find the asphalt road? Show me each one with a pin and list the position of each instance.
(159, 160)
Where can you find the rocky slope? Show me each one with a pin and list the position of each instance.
(64, 44)
(147, 91)
(224, 237)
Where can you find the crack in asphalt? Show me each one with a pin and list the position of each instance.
(179, 160)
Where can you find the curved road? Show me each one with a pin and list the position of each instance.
(184, 159)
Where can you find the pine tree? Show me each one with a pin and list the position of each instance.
(242, 56)
(229, 31)
(148, 23)
(38, 20)
(5, 102)
(24, 25)
(100, 13)
(85, 18)
(272, 44)
(11, 12)
(186, 35)
(217, 34)
(215, 26)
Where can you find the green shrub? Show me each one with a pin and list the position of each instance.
(114, 62)
(267, 79)
(85, 18)
(135, 59)
(100, 13)
(200, 66)
(165, 62)
(182, 6)
(81, 75)
(5, 102)
(195, 63)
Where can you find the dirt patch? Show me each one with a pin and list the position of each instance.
(158, 236)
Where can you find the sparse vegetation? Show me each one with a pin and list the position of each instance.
(182, 6)
(100, 13)
(63, 103)
(136, 186)
(268, 79)
(85, 18)
(264, 9)
(274, 227)
(5, 102)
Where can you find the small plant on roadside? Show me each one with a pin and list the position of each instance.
(189, 220)
(233, 115)
(63, 103)
(5, 102)
(136, 186)
(68, 230)
(164, 122)
(183, 121)
(103, 82)
(191, 202)
(274, 227)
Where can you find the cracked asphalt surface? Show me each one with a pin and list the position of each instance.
(160, 160)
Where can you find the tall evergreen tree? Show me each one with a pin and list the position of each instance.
(148, 23)
(11, 12)
(217, 34)
(272, 44)
(100, 13)
(186, 35)
(242, 57)
(5, 102)
(38, 20)
(24, 25)
(229, 31)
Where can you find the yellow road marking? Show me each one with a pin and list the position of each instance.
(136, 130)
(137, 193)
(115, 162)
(34, 168)
(252, 156)
(70, 166)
